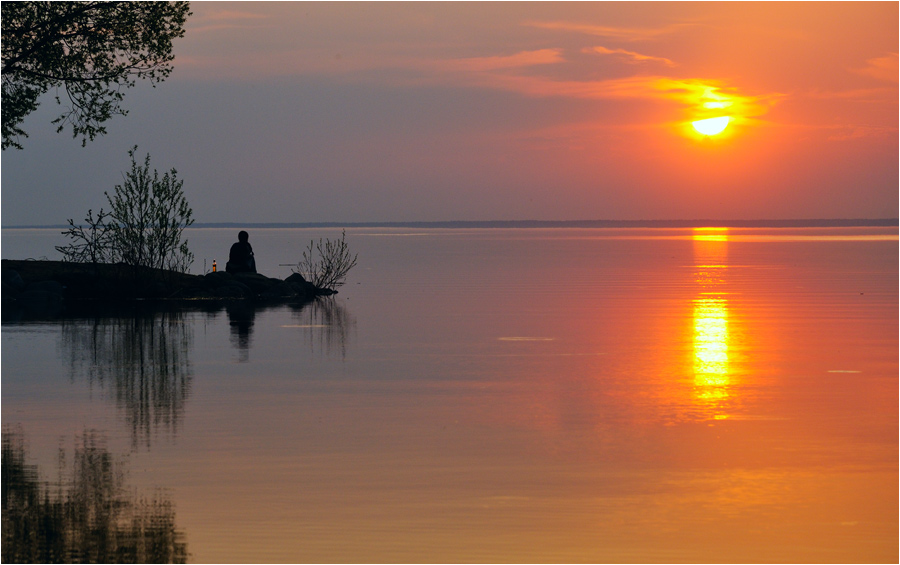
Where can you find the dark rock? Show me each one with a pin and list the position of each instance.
(227, 292)
(213, 280)
(40, 303)
(12, 309)
(280, 290)
(234, 289)
(48, 286)
(36, 289)
(304, 292)
(257, 282)
(301, 286)
(155, 289)
(12, 281)
(296, 278)
(195, 293)
(87, 286)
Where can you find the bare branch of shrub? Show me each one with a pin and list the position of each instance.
(326, 263)
(91, 242)
(143, 228)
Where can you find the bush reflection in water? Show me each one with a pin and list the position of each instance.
(87, 516)
(143, 361)
(326, 324)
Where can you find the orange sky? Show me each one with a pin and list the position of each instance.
(479, 111)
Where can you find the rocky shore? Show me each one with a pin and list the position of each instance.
(40, 289)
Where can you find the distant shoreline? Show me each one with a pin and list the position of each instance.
(487, 224)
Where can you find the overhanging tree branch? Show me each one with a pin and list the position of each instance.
(91, 49)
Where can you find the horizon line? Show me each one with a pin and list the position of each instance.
(450, 224)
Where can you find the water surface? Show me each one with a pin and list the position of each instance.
(501, 395)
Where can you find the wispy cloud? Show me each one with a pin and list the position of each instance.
(544, 72)
(883, 68)
(848, 133)
(632, 55)
(886, 93)
(621, 33)
(225, 19)
(470, 70)
(518, 60)
(234, 15)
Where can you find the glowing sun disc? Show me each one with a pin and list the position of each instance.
(711, 126)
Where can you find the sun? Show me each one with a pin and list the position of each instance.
(711, 126)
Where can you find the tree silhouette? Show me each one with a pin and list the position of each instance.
(90, 52)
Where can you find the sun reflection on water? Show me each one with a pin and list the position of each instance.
(711, 345)
(712, 377)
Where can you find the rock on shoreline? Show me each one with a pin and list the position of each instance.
(47, 288)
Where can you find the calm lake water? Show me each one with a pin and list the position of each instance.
(534, 395)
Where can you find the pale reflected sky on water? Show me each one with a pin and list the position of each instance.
(510, 395)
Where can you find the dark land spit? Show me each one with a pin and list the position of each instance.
(48, 289)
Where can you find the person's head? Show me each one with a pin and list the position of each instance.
(243, 236)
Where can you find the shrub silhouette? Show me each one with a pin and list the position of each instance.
(143, 228)
(326, 263)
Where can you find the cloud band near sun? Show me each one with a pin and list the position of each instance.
(620, 33)
(632, 56)
(699, 98)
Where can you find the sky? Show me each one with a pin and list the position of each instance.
(376, 112)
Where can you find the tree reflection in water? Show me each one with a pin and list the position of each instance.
(144, 360)
(87, 516)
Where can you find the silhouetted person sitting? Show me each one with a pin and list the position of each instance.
(240, 258)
